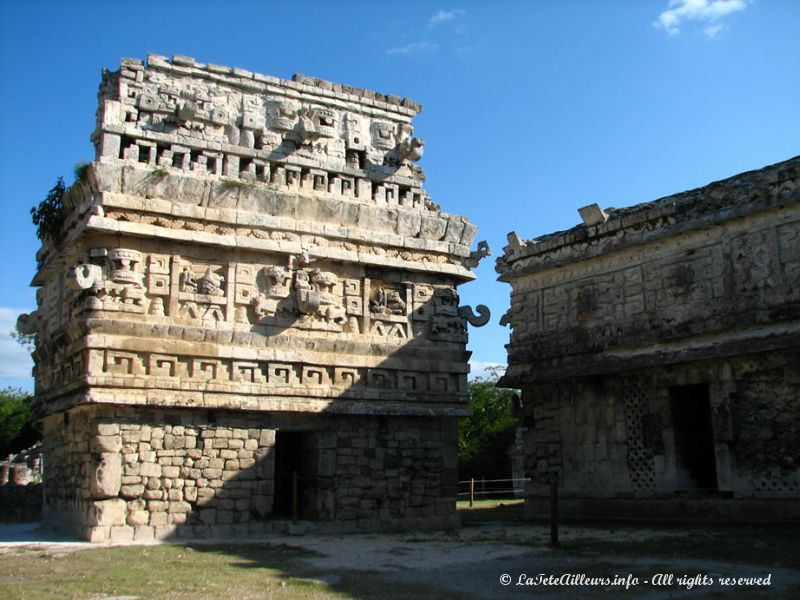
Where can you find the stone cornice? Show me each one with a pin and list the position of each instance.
(733, 198)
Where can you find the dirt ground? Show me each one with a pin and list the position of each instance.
(472, 560)
(512, 559)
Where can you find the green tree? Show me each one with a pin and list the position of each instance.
(17, 429)
(49, 215)
(485, 438)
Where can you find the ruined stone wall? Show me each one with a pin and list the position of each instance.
(21, 486)
(614, 320)
(719, 263)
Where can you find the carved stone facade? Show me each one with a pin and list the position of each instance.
(252, 282)
(657, 352)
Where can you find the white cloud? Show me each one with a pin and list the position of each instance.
(15, 361)
(712, 30)
(708, 12)
(413, 48)
(443, 16)
(422, 47)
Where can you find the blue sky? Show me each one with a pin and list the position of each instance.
(531, 109)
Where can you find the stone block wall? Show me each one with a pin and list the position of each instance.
(760, 415)
(156, 474)
(70, 467)
(656, 349)
(614, 437)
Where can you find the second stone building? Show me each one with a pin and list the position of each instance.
(657, 352)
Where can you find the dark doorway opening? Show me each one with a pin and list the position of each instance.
(694, 438)
(295, 472)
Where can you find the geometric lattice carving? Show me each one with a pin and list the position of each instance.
(774, 485)
(640, 457)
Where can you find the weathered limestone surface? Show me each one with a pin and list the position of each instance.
(248, 258)
(178, 474)
(627, 328)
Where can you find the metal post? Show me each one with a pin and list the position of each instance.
(471, 492)
(294, 497)
(554, 513)
(41, 479)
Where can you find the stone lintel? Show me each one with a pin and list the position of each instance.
(524, 369)
(256, 404)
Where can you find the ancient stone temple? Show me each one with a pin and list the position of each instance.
(251, 313)
(658, 352)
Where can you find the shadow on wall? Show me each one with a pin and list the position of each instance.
(380, 454)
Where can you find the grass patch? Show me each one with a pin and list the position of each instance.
(153, 571)
(184, 572)
(490, 503)
(508, 510)
(80, 171)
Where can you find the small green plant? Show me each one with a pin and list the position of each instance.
(159, 173)
(49, 215)
(81, 169)
(238, 183)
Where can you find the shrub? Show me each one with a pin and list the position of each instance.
(485, 438)
(17, 429)
(49, 215)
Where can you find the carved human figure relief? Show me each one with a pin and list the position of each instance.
(187, 281)
(387, 301)
(315, 297)
(211, 283)
(276, 281)
(202, 290)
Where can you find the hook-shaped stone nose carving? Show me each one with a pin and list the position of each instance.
(476, 256)
(479, 320)
(411, 149)
(84, 276)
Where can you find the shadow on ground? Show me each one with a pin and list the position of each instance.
(464, 563)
